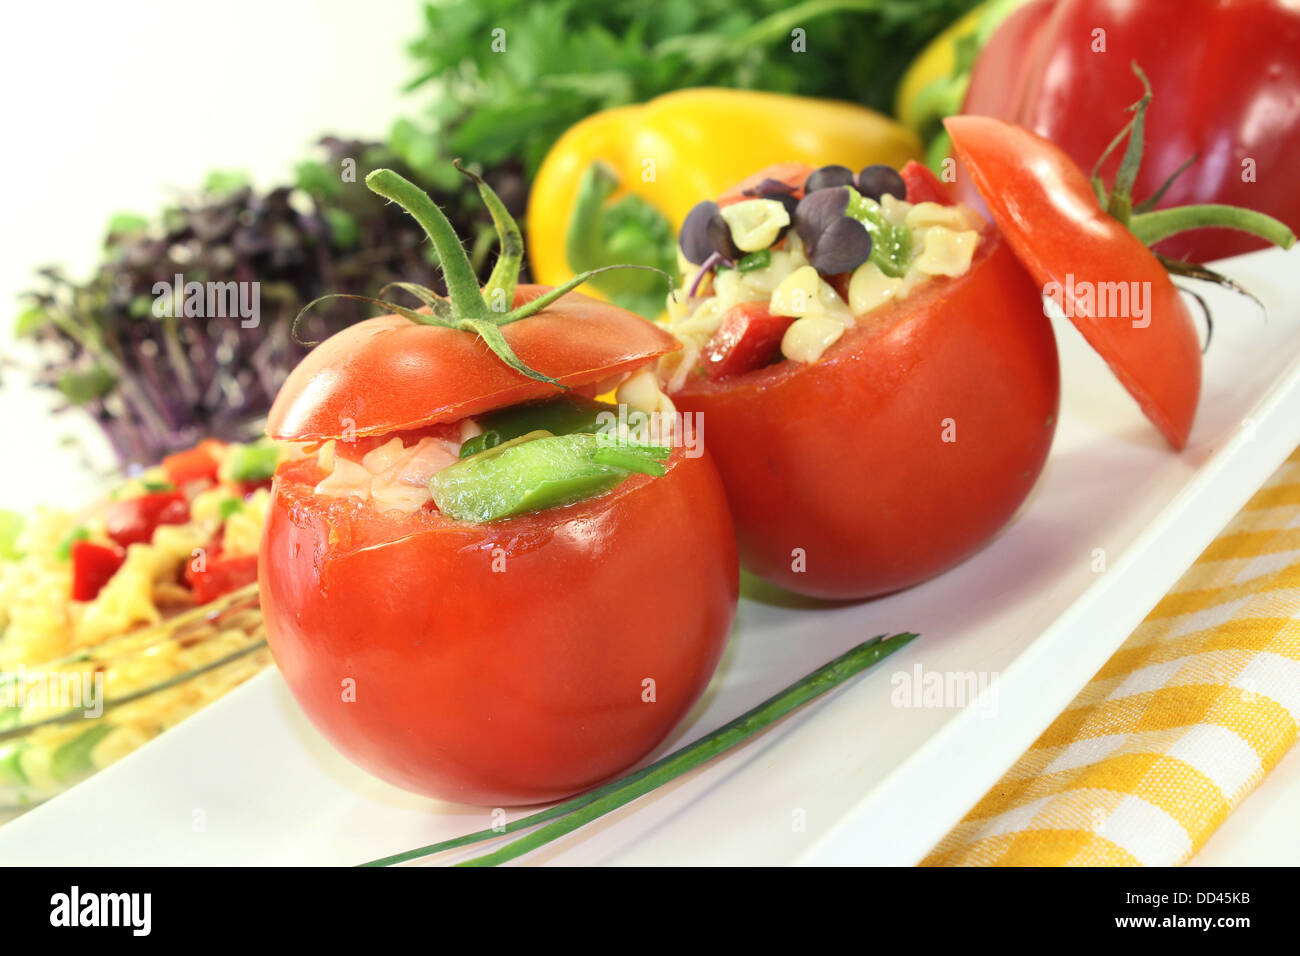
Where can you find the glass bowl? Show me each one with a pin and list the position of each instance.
(64, 720)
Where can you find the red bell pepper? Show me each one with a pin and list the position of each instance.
(92, 567)
(748, 338)
(196, 464)
(1225, 77)
(923, 186)
(221, 575)
(134, 520)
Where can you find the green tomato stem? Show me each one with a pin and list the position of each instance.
(438, 306)
(1151, 227)
(1149, 203)
(462, 284)
(1120, 204)
(505, 274)
(589, 806)
(491, 334)
(542, 301)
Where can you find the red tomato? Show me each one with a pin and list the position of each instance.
(133, 520)
(388, 374)
(195, 464)
(903, 449)
(503, 663)
(1050, 216)
(748, 338)
(221, 575)
(1226, 79)
(93, 565)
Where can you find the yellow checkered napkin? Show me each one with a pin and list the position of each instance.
(1182, 722)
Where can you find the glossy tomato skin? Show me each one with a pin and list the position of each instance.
(504, 663)
(904, 449)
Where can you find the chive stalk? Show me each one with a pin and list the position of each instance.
(572, 814)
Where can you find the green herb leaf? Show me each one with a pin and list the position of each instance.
(223, 182)
(565, 59)
(345, 232)
(82, 387)
(125, 224)
(29, 321)
(318, 179)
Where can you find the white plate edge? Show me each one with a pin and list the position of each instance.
(1023, 715)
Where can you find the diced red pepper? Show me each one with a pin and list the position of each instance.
(221, 575)
(134, 520)
(748, 338)
(92, 567)
(194, 465)
(923, 185)
(246, 488)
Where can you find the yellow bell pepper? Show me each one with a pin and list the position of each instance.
(616, 187)
(936, 62)
(934, 86)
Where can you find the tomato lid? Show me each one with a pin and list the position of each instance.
(1091, 264)
(389, 374)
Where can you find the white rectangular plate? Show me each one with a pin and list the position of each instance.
(853, 778)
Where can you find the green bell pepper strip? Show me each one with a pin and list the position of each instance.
(254, 462)
(891, 245)
(530, 475)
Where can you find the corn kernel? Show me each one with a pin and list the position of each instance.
(870, 288)
(796, 295)
(755, 223)
(947, 253)
(807, 338)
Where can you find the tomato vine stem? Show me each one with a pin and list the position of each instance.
(1150, 224)
(1159, 224)
(462, 284)
(465, 307)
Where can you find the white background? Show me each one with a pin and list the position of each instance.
(112, 107)
(116, 107)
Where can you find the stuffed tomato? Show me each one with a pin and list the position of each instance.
(876, 380)
(479, 582)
